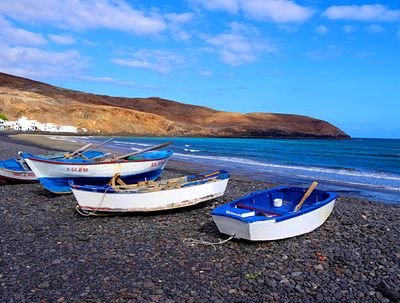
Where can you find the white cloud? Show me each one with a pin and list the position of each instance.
(375, 12)
(327, 52)
(231, 6)
(61, 39)
(34, 62)
(80, 14)
(206, 73)
(240, 45)
(375, 29)
(322, 30)
(280, 11)
(176, 23)
(180, 18)
(158, 60)
(18, 36)
(348, 29)
(288, 28)
(118, 82)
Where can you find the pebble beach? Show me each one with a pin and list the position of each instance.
(49, 253)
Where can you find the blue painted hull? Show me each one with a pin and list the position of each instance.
(61, 186)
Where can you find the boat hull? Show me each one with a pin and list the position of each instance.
(269, 230)
(55, 176)
(122, 202)
(15, 171)
(17, 176)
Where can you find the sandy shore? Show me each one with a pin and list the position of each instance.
(49, 252)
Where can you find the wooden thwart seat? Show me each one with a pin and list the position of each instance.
(262, 211)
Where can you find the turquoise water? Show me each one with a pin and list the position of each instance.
(361, 167)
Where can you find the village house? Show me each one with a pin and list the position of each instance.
(24, 124)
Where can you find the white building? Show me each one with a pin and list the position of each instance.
(9, 124)
(67, 129)
(47, 127)
(25, 124)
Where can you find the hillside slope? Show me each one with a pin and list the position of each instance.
(147, 116)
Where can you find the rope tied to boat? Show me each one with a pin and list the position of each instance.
(192, 242)
(88, 213)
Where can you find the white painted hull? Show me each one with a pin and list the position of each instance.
(18, 176)
(270, 229)
(47, 169)
(128, 201)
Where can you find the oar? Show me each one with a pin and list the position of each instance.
(100, 144)
(142, 151)
(306, 195)
(68, 156)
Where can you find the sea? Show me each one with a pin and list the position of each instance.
(363, 168)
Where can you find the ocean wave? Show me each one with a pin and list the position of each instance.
(342, 172)
(357, 184)
(191, 150)
(62, 138)
(130, 143)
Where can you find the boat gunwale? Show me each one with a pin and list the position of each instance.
(15, 171)
(168, 154)
(221, 210)
(221, 176)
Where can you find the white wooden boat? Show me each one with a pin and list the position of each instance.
(54, 175)
(147, 196)
(17, 170)
(271, 214)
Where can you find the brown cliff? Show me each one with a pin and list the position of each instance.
(147, 116)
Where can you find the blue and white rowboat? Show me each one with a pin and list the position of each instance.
(18, 171)
(54, 175)
(271, 215)
(149, 196)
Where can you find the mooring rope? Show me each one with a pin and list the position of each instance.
(88, 213)
(192, 242)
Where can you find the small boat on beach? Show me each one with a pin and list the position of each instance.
(147, 196)
(54, 175)
(17, 170)
(274, 214)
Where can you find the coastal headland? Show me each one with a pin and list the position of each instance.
(153, 116)
(50, 253)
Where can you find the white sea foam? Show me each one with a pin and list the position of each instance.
(130, 143)
(191, 150)
(62, 138)
(343, 172)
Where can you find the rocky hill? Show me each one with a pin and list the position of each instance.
(147, 116)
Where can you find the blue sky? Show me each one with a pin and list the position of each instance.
(334, 60)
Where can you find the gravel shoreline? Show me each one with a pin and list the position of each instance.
(50, 253)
